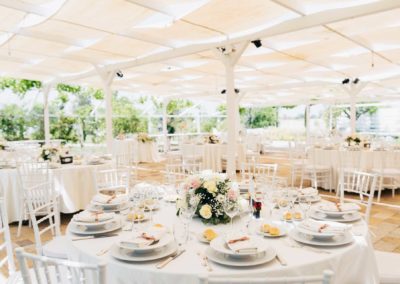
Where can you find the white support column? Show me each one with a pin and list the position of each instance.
(164, 125)
(353, 117)
(330, 124)
(46, 116)
(308, 123)
(107, 79)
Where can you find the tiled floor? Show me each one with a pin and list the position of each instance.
(384, 223)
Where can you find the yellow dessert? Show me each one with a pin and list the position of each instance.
(297, 215)
(274, 231)
(288, 216)
(209, 234)
(158, 225)
(265, 228)
(135, 216)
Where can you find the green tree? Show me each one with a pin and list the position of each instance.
(19, 86)
(258, 117)
(13, 123)
(128, 118)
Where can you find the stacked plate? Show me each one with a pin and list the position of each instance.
(152, 244)
(310, 193)
(108, 203)
(92, 223)
(343, 212)
(240, 250)
(322, 233)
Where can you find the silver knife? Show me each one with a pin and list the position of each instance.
(169, 259)
(281, 260)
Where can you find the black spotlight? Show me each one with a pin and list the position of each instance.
(356, 80)
(346, 81)
(257, 43)
(224, 91)
(119, 73)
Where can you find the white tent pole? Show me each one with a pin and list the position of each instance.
(107, 79)
(46, 116)
(164, 125)
(353, 115)
(308, 123)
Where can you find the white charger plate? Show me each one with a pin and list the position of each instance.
(93, 224)
(346, 218)
(97, 207)
(122, 254)
(328, 235)
(331, 242)
(334, 213)
(219, 245)
(164, 241)
(83, 230)
(110, 205)
(281, 227)
(221, 258)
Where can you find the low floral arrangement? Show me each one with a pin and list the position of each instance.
(144, 138)
(353, 140)
(211, 139)
(48, 152)
(211, 189)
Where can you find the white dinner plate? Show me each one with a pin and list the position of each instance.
(93, 224)
(83, 230)
(334, 213)
(322, 235)
(280, 225)
(331, 242)
(219, 245)
(110, 205)
(164, 241)
(350, 217)
(221, 258)
(126, 255)
(98, 207)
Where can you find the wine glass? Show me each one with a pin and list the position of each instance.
(151, 201)
(305, 205)
(187, 211)
(231, 206)
(138, 215)
(180, 232)
(283, 204)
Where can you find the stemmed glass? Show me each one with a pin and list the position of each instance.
(181, 235)
(283, 204)
(305, 205)
(231, 205)
(151, 201)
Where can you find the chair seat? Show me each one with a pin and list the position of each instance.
(317, 168)
(388, 263)
(388, 172)
(57, 248)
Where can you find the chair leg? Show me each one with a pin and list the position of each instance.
(380, 188)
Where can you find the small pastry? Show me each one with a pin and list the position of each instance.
(274, 231)
(265, 228)
(209, 234)
(288, 216)
(297, 215)
(158, 225)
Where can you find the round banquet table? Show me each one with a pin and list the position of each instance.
(368, 159)
(142, 152)
(211, 154)
(353, 263)
(75, 183)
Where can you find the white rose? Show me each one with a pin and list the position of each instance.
(46, 152)
(205, 211)
(210, 186)
(220, 198)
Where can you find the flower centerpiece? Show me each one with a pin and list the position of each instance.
(211, 189)
(144, 138)
(353, 139)
(211, 139)
(48, 153)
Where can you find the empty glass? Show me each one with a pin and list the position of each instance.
(231, 206)
(181, 234)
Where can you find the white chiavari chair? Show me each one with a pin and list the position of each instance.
(127, 161)
(388, 173)
(174, 157)
(364, 185)
(56, 271)
(191, 168)
(266, 173)
(318, 175)
(6, 246)
(298, 159)
(112, 181)
(325, 278)
(44, 213)
(174, 173)
(349, 162)
(30, 174)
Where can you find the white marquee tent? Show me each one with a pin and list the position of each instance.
(196, 48)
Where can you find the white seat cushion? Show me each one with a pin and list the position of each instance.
(57, 248)
(388, 266)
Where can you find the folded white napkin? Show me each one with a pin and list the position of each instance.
(339, 207)
(146, 238)
(241, 243)
(109, 199)
(92, 217)
(321, 227)
(308, 191)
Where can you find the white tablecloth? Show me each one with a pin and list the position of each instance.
(142, 152)
(75, 183)
(354, 263)
(212, 154)
(366, 159)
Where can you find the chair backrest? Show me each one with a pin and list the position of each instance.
(113, 180)
(247, 170)
(191, 168)
(5, 243)
(363, 184)
(174, 158)
(43, 206)
(33, 173)
(174, 173)
(266, 173)
(49, 270)
(325, 278)
(124, 160)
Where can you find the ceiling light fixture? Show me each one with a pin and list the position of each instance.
(257, 43)
(119, 73)
(346, 81)
(224, 91)
(356, 80)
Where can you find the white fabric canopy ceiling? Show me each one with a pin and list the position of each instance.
(166, 47)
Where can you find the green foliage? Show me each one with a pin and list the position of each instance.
(13, 122)
(208, 124)
(258, 117)
(61, 88)
(175, 106)
(19, 86)
(63, 128)
(128, 118)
